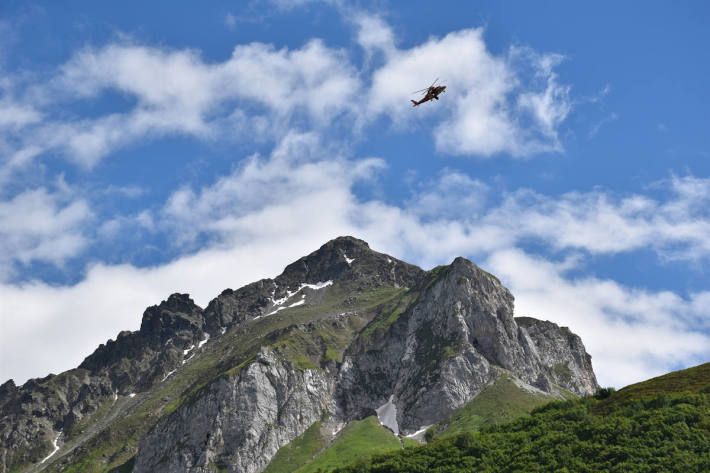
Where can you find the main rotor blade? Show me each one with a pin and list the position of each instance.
(426, 88)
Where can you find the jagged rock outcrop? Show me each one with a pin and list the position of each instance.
(563, 353)
(340, 333)
(34, 414)
(137, 359)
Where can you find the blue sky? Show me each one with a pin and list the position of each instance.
(150, 149)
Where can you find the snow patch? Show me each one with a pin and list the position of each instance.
(338, 428)
(348, 260)
(56, 447)
(387, 415)
(202, 342)
(166, 376)
(301, 302)
(132, 395)
(115, 397)
(390, 261)
(290, 294)
(419, 434)
(188, 359)
(316, 286)
(188, 350)
(222, 330)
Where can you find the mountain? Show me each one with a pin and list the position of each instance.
(347, 343)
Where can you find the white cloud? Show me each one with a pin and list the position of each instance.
(452, 195)
(262, 195)
(177, 92)
(595, 129)
(509, 104)
(492, 105)
(598, 222)
(37, 225)
(16, 115)
(373, 34)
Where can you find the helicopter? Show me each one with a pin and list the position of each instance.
(432, 92)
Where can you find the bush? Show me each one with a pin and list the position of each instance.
(604, 393)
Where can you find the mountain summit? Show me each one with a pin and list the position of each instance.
(342, 334)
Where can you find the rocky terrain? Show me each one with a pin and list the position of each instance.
(341, 334)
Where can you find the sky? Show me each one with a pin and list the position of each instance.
(161, 147)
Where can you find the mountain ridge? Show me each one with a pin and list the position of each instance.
(356, 327)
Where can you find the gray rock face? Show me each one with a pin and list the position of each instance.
(241, 421)
(563, 352)
(439, 354)
(137, 360)
(35, 413)
(442, 339)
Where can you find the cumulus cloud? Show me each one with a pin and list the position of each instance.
(508, 104)
(494, 104)
(452, 195)
(300, 187)
(177, 92)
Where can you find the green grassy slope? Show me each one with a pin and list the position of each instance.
(299, 452)
(499, 402)
(694, 380)
(359, 439)
(666, 433)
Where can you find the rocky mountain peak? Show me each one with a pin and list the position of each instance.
(178, 313)
(349, 260)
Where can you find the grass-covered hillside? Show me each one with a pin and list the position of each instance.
(502, 401)
(659, 425)
(692, 380)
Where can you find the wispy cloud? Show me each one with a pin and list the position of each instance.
(604, 121)
(41, 226)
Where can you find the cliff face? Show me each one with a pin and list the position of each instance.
(240, 421)
(340, 334)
